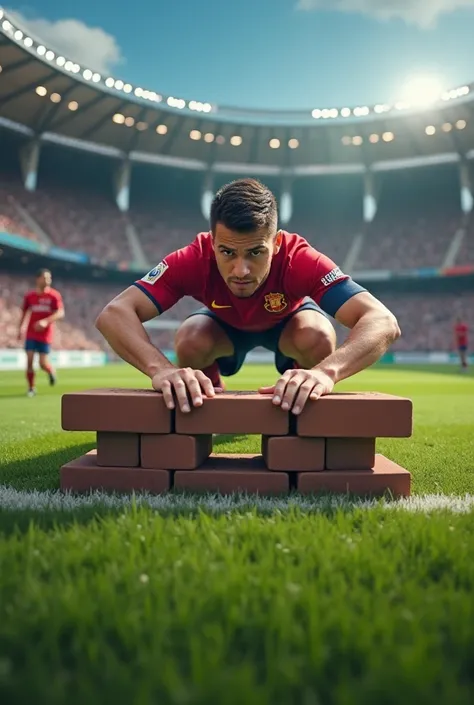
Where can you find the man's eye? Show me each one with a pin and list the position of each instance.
(255, 253)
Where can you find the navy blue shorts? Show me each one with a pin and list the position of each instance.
(245, 341)
(462, 348)
(37, 346)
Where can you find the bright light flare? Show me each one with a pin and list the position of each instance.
(421, 91)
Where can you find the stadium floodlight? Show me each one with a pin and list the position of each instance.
(430, 130)
(346, 112)
(220, 139)
(138, 92)
(60, 61)
(41, 50)
(118, 118)
(195, 135)
(461, 124)
(381, 108)
(109, 82)
(96, 77)
(7, 26)
(422, 91)
(293, 143)
(18, 35)
(162, 129)
(447, 127)
(274, 143)
(361, 111)
(127, 88)
(236, 140)
(141, 126)
(209, 137)
(317, 114)
(28, 42)
(374, 139)
(41, 90)
(388, 136)
(87, 74)
(49, 55)
(129, 121)
(346, 140)
(55, 98)
(357, 141)
(73, 105)
(119, 84)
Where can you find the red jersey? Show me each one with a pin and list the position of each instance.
(460, 330)
(298, 271)
(41, 306)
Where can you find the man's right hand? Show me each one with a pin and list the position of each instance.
(183, 381)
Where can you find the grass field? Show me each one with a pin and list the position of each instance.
(234, 600)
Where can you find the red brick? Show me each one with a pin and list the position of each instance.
(173, 452)
(350, 453)
(83, 474)
(233, 472)
(118, 449)
(235, 412)
(293, 453)
(356, 415)
(119, 410)
(386, 476)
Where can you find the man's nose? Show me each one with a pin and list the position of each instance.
(241, 269)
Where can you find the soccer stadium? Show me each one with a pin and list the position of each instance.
(230, 598)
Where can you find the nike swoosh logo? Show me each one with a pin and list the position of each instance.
(214, 305)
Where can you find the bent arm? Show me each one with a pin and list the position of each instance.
(373, 330)
(121, 324)
(56, 316)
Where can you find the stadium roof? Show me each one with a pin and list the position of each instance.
(55, 99)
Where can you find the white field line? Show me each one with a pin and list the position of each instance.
(48, 500)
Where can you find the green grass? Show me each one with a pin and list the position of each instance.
(200, 602)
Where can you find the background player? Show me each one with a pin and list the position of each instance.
(44, 306)
(461, 337)
(254, 281)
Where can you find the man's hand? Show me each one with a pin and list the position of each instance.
(295, 387)
(41, 325)
(183, 381)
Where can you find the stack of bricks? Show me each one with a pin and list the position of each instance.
(329, 447)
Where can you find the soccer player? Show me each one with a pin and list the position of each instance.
(461, 335)
(44, 306)
(259, 286)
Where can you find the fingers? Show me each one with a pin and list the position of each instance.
(185, 384)
(205, 383)
(267, 390)
(304, 391)
(280, 392)
(167, 392)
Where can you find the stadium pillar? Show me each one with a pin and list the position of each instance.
(370, 202)
(29, 160)
(207, 194)
(286, 207)
(466, 191)
(122, 185)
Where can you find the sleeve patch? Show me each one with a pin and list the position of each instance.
(155, 273)
(337, 295)
(332, 276)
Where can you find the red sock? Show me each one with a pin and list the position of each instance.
(31, 379)
(213, 373)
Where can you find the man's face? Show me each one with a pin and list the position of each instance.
(44, 280)
(244, 259)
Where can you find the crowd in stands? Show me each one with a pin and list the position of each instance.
(407, 232)
(426, 321)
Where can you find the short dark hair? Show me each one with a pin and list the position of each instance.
(245, 205)
(42, 271)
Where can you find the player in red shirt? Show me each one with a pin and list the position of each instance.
(44, 306)
(461, 335)
(259, 286)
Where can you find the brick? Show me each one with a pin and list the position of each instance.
(173, 452)
(118, 449)
(350, 453)
(356, 415)
(386, 476)
(289, 453)
(118, 410)
(235, 412)
(83, 474)
(233, 472)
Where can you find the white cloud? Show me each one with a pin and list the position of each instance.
(423, 13)
(90, 46)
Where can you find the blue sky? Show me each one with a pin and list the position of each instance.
(265, 53)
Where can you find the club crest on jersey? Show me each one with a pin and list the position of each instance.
(155, 273)
(275, 302)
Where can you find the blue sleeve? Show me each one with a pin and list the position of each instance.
(338, 294)
(150, 296)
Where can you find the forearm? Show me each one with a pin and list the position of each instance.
(126, 335)
(56, 316)
(366, 343)
(22, 320)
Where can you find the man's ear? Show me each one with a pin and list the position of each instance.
(278, 241)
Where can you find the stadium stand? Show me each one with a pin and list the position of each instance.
(426, 321)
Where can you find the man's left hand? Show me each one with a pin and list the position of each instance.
(295, 387)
